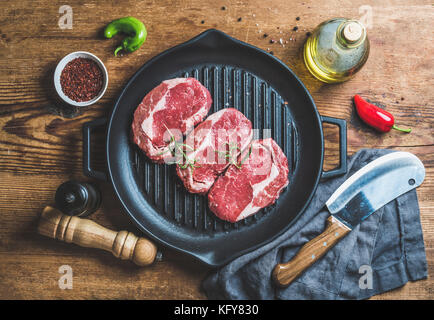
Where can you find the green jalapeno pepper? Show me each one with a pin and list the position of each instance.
(132, 27)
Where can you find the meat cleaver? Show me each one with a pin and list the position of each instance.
(366, 191)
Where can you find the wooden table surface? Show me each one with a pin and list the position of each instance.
(41, 141)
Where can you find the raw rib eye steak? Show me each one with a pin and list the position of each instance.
(176, 104)
(241, 192)
(214, 145)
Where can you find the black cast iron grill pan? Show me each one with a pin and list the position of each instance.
(269, 94)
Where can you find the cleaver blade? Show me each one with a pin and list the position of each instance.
(374, 186)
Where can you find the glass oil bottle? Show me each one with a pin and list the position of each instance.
(336, 50)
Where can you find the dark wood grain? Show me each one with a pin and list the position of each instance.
(41, 142)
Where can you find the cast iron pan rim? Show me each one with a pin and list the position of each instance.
(140, 226)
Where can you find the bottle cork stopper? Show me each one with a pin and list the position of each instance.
(353, 31)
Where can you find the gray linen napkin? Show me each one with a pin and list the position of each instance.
(382, 253)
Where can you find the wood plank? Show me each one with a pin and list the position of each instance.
(99, 276)
(41, 142)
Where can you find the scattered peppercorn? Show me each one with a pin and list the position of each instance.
(239, 19)
(402, 98)
(265, 35)
(295, 28)
(271, 52)
(272, 41)
(308, 34)
(223, 8)
(203, 21)
(81, 79)
(298, 18)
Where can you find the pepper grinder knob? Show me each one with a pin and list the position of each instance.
(77, 198)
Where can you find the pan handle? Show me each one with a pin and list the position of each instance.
(342, 168)
(87, 130)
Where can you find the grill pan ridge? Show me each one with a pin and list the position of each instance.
(267, 92)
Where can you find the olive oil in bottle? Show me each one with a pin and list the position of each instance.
(336, 50)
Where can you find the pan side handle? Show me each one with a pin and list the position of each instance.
(342, 168)
(87, 131)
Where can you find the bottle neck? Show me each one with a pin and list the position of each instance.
(350, 34)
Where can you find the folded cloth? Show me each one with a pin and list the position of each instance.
(382, 253)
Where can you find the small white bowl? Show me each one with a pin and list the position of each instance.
(62, 64)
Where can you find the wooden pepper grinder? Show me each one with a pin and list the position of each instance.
(87, 233)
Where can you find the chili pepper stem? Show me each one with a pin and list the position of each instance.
(399, 129)
(117, 50)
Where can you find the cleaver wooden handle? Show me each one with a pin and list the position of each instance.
(87, 233)
(285, 273)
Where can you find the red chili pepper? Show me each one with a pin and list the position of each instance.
(375, 117)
